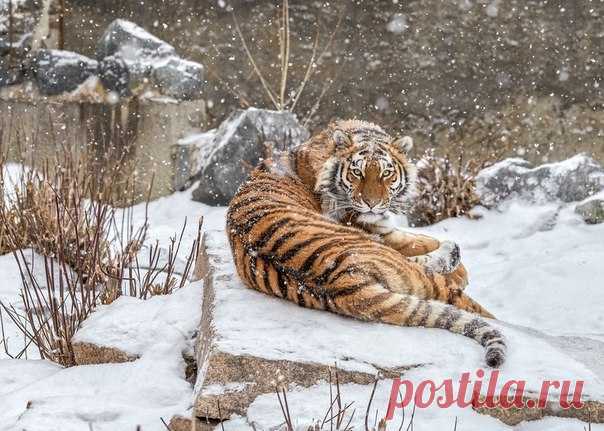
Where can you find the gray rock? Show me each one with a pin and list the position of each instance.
(57, 72)
(128, 47)
(592, 210)
(131, 42)
(133, 60)
(240, 143)
(180, 79)
(11, 73)
(16, 34)
(189, 154)
(114, 75)
(571, 180)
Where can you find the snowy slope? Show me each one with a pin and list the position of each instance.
(539, 267)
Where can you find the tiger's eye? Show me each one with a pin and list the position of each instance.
(386, 174)
(357, 172)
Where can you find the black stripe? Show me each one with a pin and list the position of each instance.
(282, 283)
(282, 239)
(345, 291)
(363, 268)
(426, 315)
(265, 208)
(470, 328)
(301, 300)
(265, 276)
(493, 333)
(317, 253)
(296, 248)
(322, 278)
(415, 311)
(447, 318)
(252, 268)
(266, 235)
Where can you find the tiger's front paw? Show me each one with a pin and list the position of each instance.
(445, 259)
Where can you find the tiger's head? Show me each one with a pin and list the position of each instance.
(368, 172)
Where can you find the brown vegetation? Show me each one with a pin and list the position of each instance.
(445, 188)
(91, 251)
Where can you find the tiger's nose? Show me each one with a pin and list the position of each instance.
(371, 202)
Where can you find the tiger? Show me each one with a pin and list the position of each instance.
(315, 226)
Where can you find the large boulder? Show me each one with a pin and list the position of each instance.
(134, 61)
(178, 78)
(189, 155)
(114, 75)
(249, 342)
(571, 180)
(11, 72)
(243, 140)
(56, 71)
(127, 54)
(131, 42)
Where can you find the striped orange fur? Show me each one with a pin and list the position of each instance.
(294, 234)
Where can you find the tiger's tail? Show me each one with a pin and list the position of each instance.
(380, 304)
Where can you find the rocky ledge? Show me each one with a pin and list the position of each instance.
(249, 342)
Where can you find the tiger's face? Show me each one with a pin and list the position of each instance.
(368, 174)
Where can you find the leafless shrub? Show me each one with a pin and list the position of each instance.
(90, 251)
(283, 99)
(66, 218)
(445, 188)
(338, 416)
(158, 274)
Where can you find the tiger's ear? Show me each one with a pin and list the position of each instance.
(341, 139)
(403, 144)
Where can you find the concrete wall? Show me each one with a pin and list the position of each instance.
(142, 133)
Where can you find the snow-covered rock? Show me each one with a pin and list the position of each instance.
(189, 154)
(592, 210)
(114, 75)
(22, 24)
(133, 61)
(249, 341)
(158, 332)
(10, 73)
(571, 180)
(242, 140)
(129, 40)
(523, 270)
(180, 79)
(57, 71)
(129, 45)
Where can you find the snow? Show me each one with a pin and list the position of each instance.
(310, 404)
(567, 180)
(535, 266)
(492, 9)
(397, 24)
(138, 327)
(111, 396)
(139, 32)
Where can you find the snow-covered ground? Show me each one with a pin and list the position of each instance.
(535, 266)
